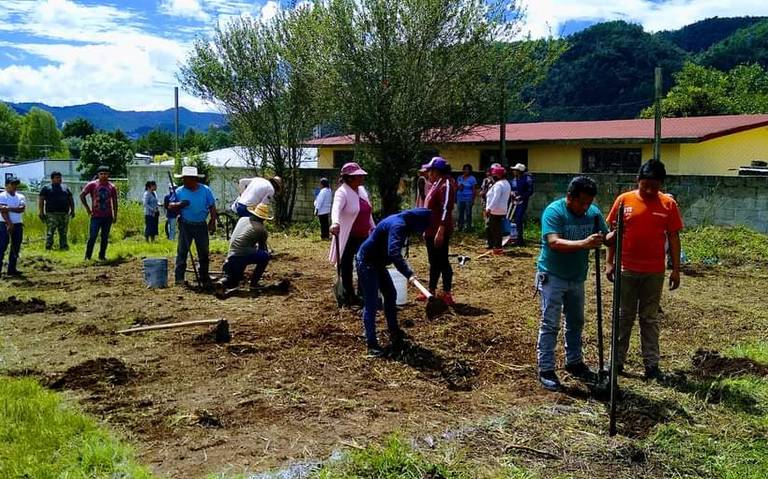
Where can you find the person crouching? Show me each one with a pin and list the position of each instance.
(382, 248)
(248, 245)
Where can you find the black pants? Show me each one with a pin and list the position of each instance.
(103, 225)
(324, 224)
(348, 263)
(439, 265)
(494, 231)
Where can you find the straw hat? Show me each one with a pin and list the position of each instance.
(260, 211)
(189, 171)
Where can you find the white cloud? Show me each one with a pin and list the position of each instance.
(269, 10)
(548, 16)
(184, 8)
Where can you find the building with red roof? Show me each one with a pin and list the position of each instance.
(712, 145)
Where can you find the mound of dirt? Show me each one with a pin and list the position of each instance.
(456, 373)
(712, 363)
(95, 374)
(13, 305)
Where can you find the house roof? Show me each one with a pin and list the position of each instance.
(673, 130)
(237, 157)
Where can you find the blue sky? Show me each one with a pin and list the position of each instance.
(125, 53)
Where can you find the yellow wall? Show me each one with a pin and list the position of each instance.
(723, 156)
(720, 156)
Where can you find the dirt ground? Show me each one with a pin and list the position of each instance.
(294, 383)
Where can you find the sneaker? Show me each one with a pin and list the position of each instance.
(581, 371)
(549, 381)
(654, 373)
(375, 351)
(448, 299)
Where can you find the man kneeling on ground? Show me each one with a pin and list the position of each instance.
(248, 245)
(567, 234)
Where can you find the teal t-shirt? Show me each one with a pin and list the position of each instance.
(558, 219)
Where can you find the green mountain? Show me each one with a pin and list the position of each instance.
(747, 45)
(699, 36)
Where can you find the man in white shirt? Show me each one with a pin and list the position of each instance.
(256, 191)
(12, 206)
(323, 202)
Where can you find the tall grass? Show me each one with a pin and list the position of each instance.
(730, 246)
(41, 437)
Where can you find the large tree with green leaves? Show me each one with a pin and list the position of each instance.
(40, 137)
(156, 142)
(747, 45)
(10, 129)
(258, 73)
(78, 128)
(702, 91)
(103, 149)
(403, 74)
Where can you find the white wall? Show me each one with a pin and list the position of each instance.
(26, 172)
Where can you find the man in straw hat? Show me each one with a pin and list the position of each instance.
(255, 191)
(195, 203)
(248, 245)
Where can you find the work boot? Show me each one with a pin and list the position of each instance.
(397, 338)
(375, 351)
(549, 381)
(655, 373)
(581, 371)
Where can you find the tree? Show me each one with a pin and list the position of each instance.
(39, 136)
(702, 91)
(258, 73)
(403, 74)
(156, 142)
(193, 140)
(219, 138)
(78, 128)
(747, 45)
(103, 149)
(73, 144)
(10, 129)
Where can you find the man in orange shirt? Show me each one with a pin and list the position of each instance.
(650, 217)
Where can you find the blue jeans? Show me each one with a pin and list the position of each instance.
(558, 296)
(234, 268)
(103, 225)
(519, 219)
(375, 278)
(465, 214)
(170, 228)
(188, 232)
(14, 240)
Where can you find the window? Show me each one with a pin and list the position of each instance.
(514, 156)
(340, 157)
(610, 160)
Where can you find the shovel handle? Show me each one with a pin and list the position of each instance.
(421, 288)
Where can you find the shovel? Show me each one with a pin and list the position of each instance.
(435, 306)
(338, 287)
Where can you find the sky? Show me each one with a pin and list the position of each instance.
(126, 53)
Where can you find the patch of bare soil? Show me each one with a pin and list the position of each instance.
(712, 363)
(295, 383)
(14, 306)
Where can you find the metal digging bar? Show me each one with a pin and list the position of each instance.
(599, 305)
(615, 321)
(191, 256)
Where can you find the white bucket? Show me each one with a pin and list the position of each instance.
(156, 272)
(401, 286)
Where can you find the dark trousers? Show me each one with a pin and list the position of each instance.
(188, 232)
(234, 268)
(372, 280)
(494, 231)
(151, 225)
(14, 240)
(324, 226)
(348, 263)
(465, 215)
(519, 219)
(103, 225)
(439, 264)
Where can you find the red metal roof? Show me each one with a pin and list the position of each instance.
(691, 129)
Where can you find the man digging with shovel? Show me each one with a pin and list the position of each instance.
(567, 234)
(382, 248)
(248, 245)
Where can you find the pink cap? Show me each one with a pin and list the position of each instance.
(352, 169)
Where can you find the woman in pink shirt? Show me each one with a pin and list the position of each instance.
(351, 221)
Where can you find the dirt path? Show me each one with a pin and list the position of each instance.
(294, 384)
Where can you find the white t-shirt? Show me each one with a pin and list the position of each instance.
(13, 201)
(257, 191)
(497, 198)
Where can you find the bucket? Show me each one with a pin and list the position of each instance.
(401, 286)
(156, 272)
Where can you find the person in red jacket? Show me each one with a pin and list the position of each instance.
(440, 200)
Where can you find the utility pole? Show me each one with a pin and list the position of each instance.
(503, 125)
(177, 158)
(657, 116)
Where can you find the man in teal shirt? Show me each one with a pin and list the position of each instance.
(568, 234)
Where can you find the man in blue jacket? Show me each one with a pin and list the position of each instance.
(522, 190)
(382, 248)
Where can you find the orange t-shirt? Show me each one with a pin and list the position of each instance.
(646, 225)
